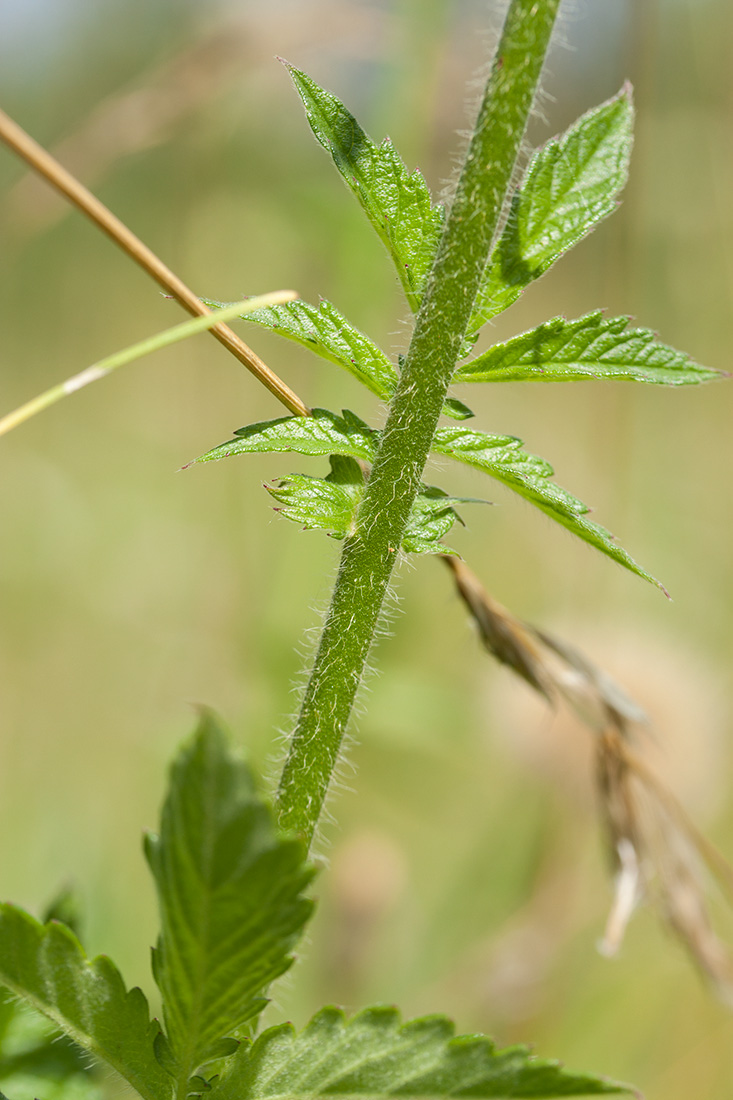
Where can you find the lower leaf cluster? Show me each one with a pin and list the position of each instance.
(232, 896)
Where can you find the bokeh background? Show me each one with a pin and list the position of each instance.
(467, 869)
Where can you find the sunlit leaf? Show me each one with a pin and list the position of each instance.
(503, 458)
(322, 433)
(397, 202)
(375, 1055)
(328, 504)
(327, 333)
(593, 346)
(230, 892)
(571, 183)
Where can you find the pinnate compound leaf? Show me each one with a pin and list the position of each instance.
(327, 333)
(503, 458)
(397, 202)
(373, 1054)
(322, 433)
(46, 967)
(570, 185)
(230, 892)
(593, 346)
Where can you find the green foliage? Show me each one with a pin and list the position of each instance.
(571, 184)
(322, 433)
(230, 879)
(326, 332)
(397, 202)
(45, 965)
(230, 892)
(374, 1054)
(504, 459)
(230, 888)
(328, 504)
(331, 504)
(593, 347)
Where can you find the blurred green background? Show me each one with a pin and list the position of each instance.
(467, 866)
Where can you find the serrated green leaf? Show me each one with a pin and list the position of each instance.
(571, 184)
(46, 967)
(328, 504)
(503, 458)
(374, 1054)
(322, 433)
(326, 332)
(594, 347)
(230, 892)
(397, 202)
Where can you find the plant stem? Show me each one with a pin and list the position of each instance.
(370, 554)
(54, 173)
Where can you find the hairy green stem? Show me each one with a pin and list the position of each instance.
(370, 553)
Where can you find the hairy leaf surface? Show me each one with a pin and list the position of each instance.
(323, 433)
(374, 1054)
(397, 202)
(45, 965)
(230, 891)
(504, 458)
(327, 504)
(331, 504)
(571, 183)
(594, 347)
(326, 332)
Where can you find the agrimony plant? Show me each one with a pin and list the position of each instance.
(232, 873)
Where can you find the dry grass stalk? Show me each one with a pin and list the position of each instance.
(657, 852)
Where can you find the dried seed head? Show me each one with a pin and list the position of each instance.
(657, 853)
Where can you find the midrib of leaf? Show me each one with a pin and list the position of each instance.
(188, 1062)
